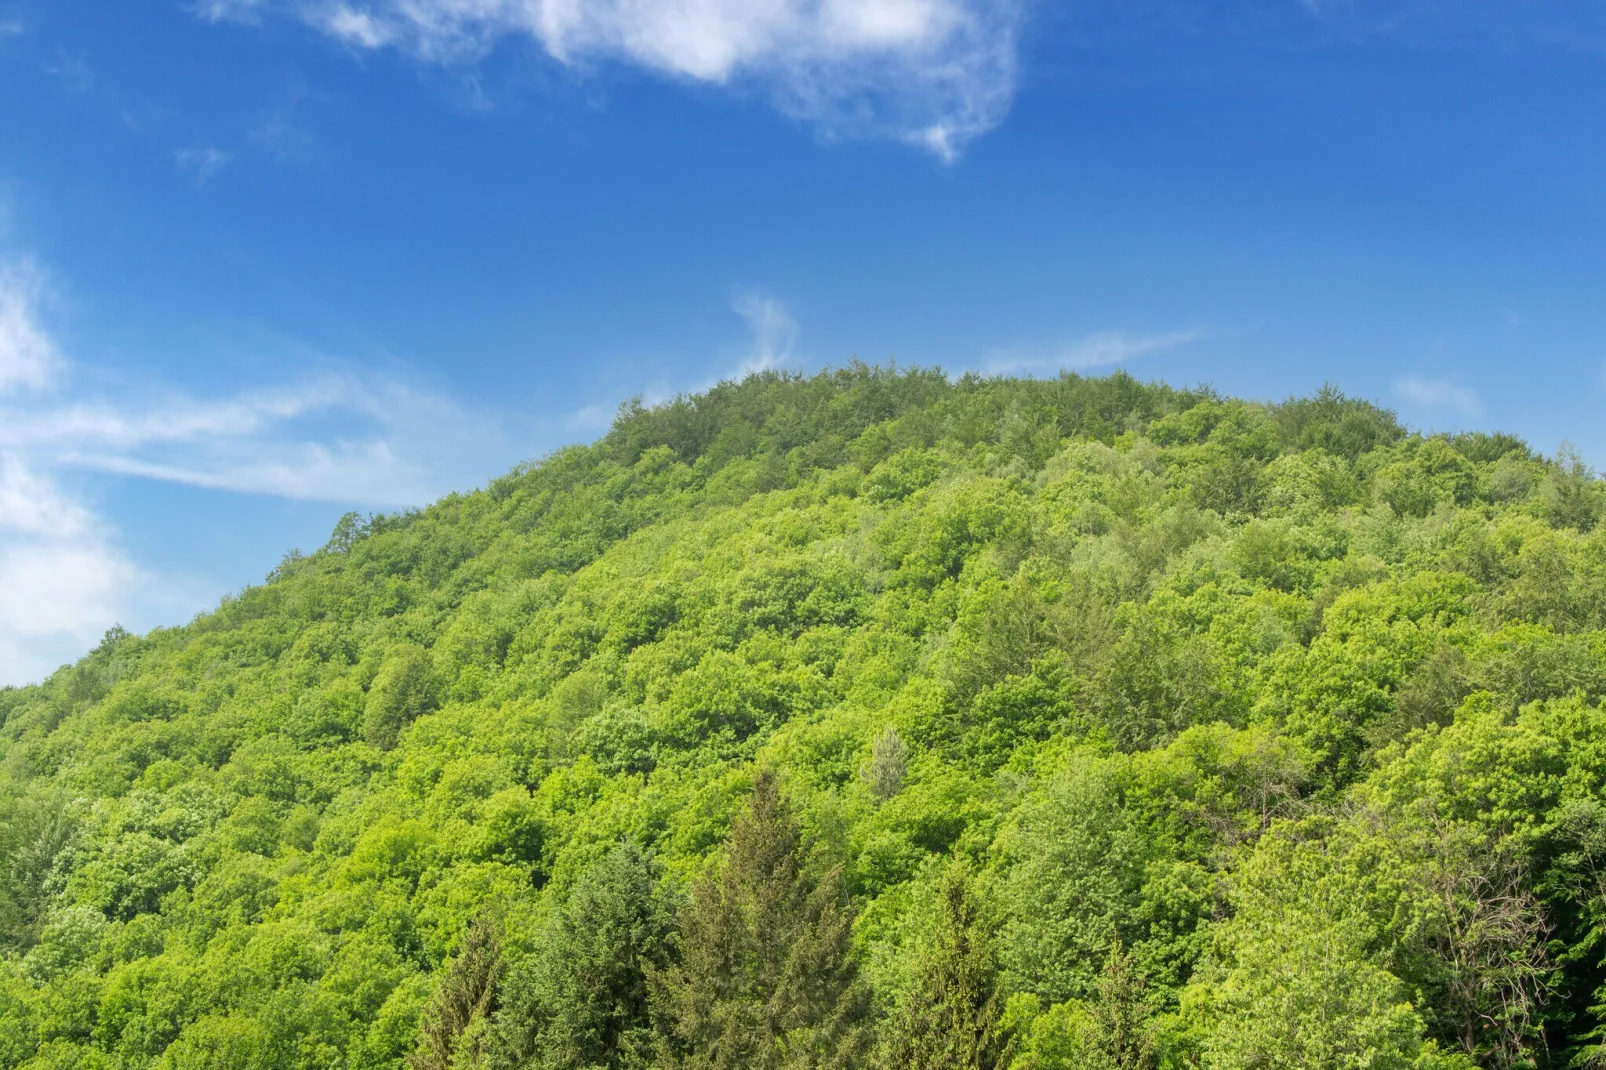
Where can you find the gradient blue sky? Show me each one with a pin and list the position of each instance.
(264, 261)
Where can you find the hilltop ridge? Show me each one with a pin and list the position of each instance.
(1077, 719)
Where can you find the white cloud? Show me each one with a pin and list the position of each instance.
(74, 72)
(1097, 350)
(202, 164)
(590, 418)
(281, 135)
(773, 328)
(357, 27)
(225, 10)
(335, 434)
(1439, 394)
(62, 582)
(1118, 347)
(932, 73)
(28, 358)
(174, 418)
(342, 437)
(771, 345)
(1562, 25)
(31, 506)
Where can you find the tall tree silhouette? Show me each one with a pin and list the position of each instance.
(452, 1029)
(766, 978)
(581, 1000)
(951, 1018)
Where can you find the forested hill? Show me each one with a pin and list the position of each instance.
(868, 719)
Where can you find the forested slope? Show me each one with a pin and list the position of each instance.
(865, 719)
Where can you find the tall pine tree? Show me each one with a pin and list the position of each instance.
(581, 1000)
(1123, 1014)
(766, 979)
(951, 1018)
(453, 1027)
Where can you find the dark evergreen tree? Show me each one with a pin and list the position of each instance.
(766, 977)
(403, 691)
(1123, 1015)
(581, 1000)
(453, 1029)
(951, 1018)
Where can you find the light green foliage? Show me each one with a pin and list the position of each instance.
(1299, 983)
(37, 831)
(1078, 859)
(889, 764)
(1272, 734)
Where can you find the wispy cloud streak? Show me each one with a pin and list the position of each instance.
(1098, 350)
(332, 434)
(773, 328)
(28, 357)
(202, 164)
(1439, 394)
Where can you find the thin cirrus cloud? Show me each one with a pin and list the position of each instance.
(773, 329)
(332, 435)
(1439, 394)
(351, 438)
(932, 73)
(1564, 23)
(62, 580)
(338, 437)
(59, 576)
(28, 357)
(202, 164)
(1097, 350)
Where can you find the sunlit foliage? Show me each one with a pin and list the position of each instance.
(1062, 723)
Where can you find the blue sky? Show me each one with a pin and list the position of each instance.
(264, 261)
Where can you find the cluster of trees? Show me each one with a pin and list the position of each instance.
(867, 719)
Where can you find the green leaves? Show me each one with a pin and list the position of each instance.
(1267, 734)
(404, 690)
(1078, 860)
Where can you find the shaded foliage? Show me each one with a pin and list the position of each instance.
(765, 977)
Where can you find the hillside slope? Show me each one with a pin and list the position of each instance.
(1062, 723)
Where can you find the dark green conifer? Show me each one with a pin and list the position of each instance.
(581, 1000)
(1123, 1014)
(951, 1018)
(454, 1027)
(766, 978)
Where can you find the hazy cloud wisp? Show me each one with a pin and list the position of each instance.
(28, 357)
(201, 164)
(773, 328)
(1097, 350)
(1439, 394)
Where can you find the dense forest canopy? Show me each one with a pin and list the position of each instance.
(869, 719)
